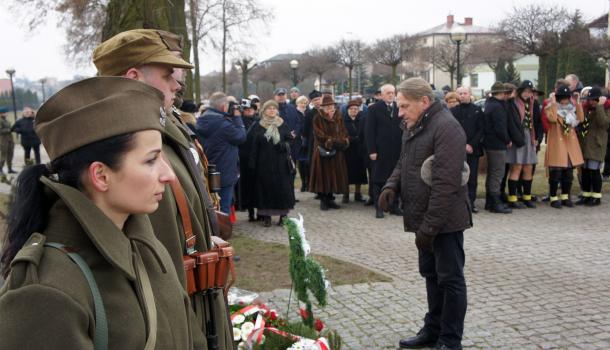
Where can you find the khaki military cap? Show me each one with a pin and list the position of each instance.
(95, 109)
(137, 47)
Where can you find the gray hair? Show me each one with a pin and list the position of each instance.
(218, 100)
(573, 77)
(385, 87)
(416, 88)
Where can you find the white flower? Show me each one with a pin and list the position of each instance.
(242, 346)
(238, 319)
(236, 334)
(246, 329)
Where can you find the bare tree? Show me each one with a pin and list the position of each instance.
(246, 65)
(349, 54)
(83, 21)
(392, 52)
(236, 20)
(445, 58)
(273, 73)
(335, 76)
(318, 62)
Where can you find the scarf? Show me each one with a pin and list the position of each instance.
(272, 124)
(568, 114)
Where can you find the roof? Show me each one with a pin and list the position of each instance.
(445, 29)
(601, 22)
(5, 85)
(282, 57)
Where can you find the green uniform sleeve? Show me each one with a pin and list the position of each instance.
(40, 317)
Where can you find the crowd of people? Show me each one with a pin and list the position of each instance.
(337, 146)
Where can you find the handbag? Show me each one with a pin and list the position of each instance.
(326, 153)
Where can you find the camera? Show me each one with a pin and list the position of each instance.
(233, 106)
(245, 103)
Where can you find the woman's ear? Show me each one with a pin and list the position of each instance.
(98, 174)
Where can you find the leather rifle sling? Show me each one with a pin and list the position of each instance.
(149, 299)
(185, 216)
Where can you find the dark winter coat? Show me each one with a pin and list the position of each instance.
(496, 125)
(292, 119)
(271, 169)
(356, 170)
(472, 120)
(303, 149)
(245, 188)
(307, 133)
(383, 136)
(25, 128)
(443, 207)
(221, 135)
(329, 175)
(514, 124)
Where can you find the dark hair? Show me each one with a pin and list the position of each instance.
(29, 208)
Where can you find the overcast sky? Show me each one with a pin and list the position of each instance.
(297, 27)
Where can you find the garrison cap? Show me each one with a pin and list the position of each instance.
(137, 47)
(95, 109)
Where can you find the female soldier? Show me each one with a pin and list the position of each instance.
(328, 166)
(563, 151)
(272, 165)
(88, 206)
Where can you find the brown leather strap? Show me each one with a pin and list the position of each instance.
(185, 215)
(233, 276)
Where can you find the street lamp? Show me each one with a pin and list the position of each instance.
(42, 82)
(10, 73)
(294, 64)
(458, 36)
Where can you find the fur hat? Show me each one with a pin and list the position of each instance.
(426, 172)
(269, 104)
(327, 100)
(353, 103)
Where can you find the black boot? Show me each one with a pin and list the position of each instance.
(379, 213)
(251, 215)
(267, 221)
(358, 197)
(323, 202)
(488, 202)
(345, 198)
(421, 340)
(594, 202)
(499, 207)
(583, 200)
(331, 203)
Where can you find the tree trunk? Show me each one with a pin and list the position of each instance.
(244, 80)
(197, 76)
(349, 81)
(320, 80)
(224, 47)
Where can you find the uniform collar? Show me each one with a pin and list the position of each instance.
(173, 131)
(112, 243)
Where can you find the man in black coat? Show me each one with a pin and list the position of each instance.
(383, 136)
(29, 139)
(471, 118)
(495, 143)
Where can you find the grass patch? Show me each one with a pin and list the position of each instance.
(263, 267)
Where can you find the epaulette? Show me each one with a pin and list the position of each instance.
(32, 250)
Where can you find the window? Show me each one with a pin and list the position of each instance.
(474, 80)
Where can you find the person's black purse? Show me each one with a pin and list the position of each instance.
(326, 153)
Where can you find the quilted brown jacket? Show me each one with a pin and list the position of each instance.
(444, 206)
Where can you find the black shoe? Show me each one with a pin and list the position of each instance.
(445, 347)
(556, 204)
(567, 203)
(358, 197)
(499, 207)
(379, 213)
(369, 202)
(530, 204)
(11, 171)
(583, 201)
(421, 340)
(281, 220)
(345, 199)
(516, 205)
(397, 211)
(267, 221)
(323, 204)
(594, 202)
(333, 205)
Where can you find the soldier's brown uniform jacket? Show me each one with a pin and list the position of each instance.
(46, 302)
(168, 227)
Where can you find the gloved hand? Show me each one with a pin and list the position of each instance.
(386, 198)
(424, 242)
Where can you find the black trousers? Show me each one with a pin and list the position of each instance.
(28, 148)
(446, 287)
(473, 163)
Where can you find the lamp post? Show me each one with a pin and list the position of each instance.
(458, 36)
(10, 73)
(294, 64)
(42, 82)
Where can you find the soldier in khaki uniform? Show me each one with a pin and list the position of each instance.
(152, 56)
(7, 145)
(85, 270)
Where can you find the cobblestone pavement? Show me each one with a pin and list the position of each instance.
(537, 279)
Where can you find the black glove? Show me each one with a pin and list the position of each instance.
(424, 242)
(386, 198)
